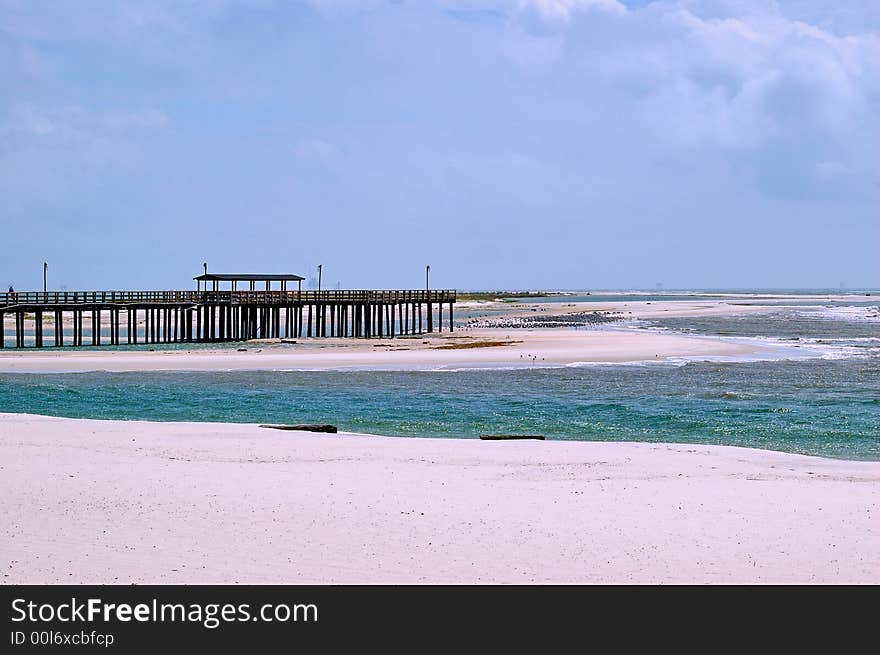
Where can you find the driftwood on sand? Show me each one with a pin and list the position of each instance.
(306, 427)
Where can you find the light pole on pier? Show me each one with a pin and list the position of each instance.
(320, 271)
(45, 274)
(198, 283)
(427, 278)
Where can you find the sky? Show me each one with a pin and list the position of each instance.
(508, 144)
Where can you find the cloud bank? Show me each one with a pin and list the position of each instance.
(520, 143)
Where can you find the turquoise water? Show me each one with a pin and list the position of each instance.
(815, 407)
(818, 392)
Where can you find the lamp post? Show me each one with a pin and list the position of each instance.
(427, 278)
(45, 273)
(320, 271)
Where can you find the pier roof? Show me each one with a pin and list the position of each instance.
(248, 277)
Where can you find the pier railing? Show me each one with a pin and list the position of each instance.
(32, 298)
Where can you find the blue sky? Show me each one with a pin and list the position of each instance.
(507, 143)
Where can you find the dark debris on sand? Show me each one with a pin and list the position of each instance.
(574, 319)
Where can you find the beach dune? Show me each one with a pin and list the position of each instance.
(90, 501)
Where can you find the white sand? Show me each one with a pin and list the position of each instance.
(635, 309)
(528, 347)
(107, 501)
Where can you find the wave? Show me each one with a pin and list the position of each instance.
(857, 313)
(666, 362)
(784, 348)
(773, 348)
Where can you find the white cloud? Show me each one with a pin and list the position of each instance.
(739, 81)
(44, 148)
(596, 120)
(562, 10)
(829, 170)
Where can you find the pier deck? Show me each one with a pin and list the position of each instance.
(58, 318)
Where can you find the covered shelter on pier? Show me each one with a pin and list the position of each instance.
(215, 279)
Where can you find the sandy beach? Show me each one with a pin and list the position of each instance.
(483, 347)
(117, 502)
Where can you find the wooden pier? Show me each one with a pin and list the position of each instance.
(98, 318)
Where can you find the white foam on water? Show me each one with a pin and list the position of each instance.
(783, 348)
(776, 348)
(842, 313)
(657, 362)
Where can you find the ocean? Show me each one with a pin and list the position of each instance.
(816, 390)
